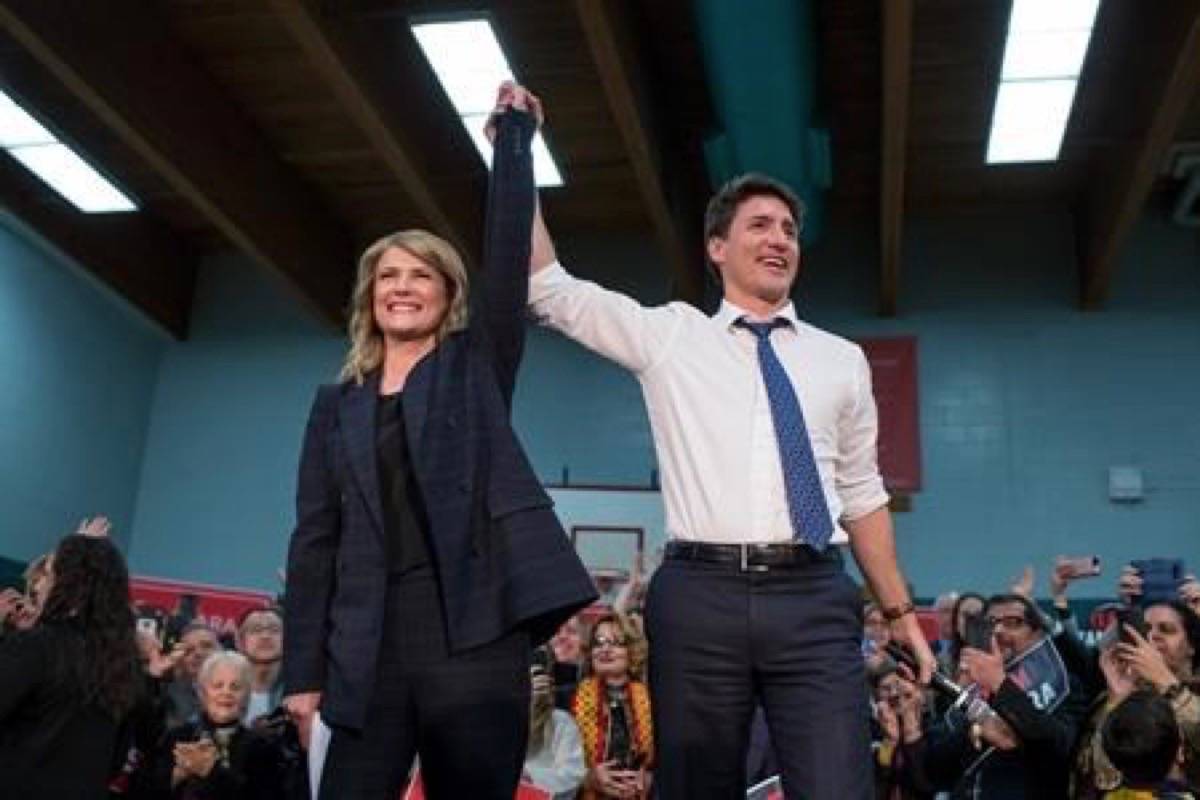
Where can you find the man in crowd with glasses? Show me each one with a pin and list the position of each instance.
(1026, 753)
(260, 640)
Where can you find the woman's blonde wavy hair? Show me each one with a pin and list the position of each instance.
(366, 340)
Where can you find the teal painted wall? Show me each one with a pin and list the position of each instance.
(80, 368)
(217, 487)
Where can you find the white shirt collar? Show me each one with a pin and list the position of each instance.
(730, 313)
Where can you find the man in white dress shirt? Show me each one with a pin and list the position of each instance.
(751, 604)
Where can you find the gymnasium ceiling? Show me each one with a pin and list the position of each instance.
(296, 131)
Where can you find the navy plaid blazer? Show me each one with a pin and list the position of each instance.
(502, 558)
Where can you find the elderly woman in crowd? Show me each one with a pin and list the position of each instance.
(1167, 660)
(554, 758)
(67, 683)
(216, 757)
(612, 708)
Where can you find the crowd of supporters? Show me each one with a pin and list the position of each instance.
(102, 699)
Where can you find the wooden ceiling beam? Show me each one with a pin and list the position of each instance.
(897, 80)
(607, 29)
(1114, 207)
(132, 254)
(120, 60)
(331, 53)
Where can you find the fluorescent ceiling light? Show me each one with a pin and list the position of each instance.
(1043, 57)
(18, 128)
(1052, 15)
(73, 178)
(1045, 54)
(1029, 120)
(60, 167)
(470, 65)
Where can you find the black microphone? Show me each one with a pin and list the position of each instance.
(966, 700)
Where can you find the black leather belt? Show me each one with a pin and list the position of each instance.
(752, 557)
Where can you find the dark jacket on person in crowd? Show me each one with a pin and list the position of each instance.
(54, 745)
(1039, 769)
(254, 769)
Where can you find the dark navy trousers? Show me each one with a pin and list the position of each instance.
(465, 714)
(723, 640)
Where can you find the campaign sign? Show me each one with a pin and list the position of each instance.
(219, 607)
(1041, 674)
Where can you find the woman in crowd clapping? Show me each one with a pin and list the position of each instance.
(216, 757)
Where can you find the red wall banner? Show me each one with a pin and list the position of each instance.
(894, 377)
(217, 606)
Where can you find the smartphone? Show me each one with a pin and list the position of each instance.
(540, 661)
(149, 625)
(1080, 566)
(977, 632)
(1161, 578)
(1134, 618)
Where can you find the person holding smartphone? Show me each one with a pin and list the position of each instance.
(1163, 657)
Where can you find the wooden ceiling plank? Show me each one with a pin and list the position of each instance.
(119, 59)
(331, 55)
(1117, 204)
(897, 80)
(606, 29)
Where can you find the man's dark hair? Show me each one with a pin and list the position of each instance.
(1141, 738)
(1033, 617)
(724, 204)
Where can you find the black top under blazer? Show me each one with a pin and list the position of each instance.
(502, 558)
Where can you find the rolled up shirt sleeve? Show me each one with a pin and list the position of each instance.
(857, 480)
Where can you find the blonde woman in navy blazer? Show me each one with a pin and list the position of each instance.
(409, 622)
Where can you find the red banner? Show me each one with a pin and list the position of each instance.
(217, 606)
(894, 378)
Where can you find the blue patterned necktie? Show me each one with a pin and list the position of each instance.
(811, 523)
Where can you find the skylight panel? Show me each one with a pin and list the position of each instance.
(467, 58)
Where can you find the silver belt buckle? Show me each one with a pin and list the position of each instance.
(744, 550)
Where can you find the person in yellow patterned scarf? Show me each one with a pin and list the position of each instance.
(612, 708)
